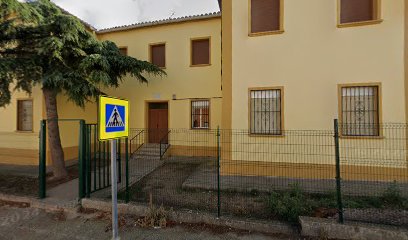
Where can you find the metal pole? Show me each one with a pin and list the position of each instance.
(88, 160)
(114, 182)
(218, 173)
(81, 190)
(127, 170)
(42, 165)
(338, 177)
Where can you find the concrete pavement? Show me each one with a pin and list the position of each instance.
(31, 223)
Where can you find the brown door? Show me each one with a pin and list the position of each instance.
(158, 122)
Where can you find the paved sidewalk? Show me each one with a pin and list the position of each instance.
(205, 177)
(33, 224)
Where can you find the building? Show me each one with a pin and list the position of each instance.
(266, 68)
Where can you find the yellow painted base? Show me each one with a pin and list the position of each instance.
(313, 171)
(192, 151)
(18, 156)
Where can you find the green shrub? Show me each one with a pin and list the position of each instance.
(393, 197)
(290, 205)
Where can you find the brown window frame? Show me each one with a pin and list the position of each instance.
(280, 132)
(18, 115)
(343, 125)
(124, 48)
(192, 114)
(262, 33)
(192, 52)
(151, 45)
(376, 13)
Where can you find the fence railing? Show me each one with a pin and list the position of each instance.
(319, 173)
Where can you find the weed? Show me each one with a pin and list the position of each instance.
(290, 205)
(393, 196)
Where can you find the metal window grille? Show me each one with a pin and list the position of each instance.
(200, 114)
(266, 112)
(360, 111)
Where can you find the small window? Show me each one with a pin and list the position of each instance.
(357, 11)
(266, 16)
(200, 114)
(266, 112)
(24, 115)
(123, 51)
(158, 55)
(200, 52)
(360, 111)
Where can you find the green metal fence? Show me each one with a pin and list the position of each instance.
(320, 173)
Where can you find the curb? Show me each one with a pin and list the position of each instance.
(330, 228)
(48, 204)
(268, 227)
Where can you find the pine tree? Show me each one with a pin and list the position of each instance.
(41, 45)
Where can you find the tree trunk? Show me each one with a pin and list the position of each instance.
(54, 140)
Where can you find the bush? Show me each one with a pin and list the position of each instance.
(290, 205)
(393, 197)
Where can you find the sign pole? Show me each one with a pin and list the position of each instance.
(115, 234)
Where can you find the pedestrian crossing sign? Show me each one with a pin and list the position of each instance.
(113, 118)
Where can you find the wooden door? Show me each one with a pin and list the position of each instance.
(158, 123)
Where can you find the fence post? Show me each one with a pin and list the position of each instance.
(42, 171)
(88, 160)
(119, 160)
(127, 170)
(218, 173)
(81, 181)
(338, 177)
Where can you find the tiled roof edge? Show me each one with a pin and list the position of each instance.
(161, 22)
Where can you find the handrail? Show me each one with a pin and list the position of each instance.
(132, 139)
(161, 142)
(141, 131)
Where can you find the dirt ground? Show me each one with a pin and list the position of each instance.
(25, 223)
(28, 186)
(164, 185)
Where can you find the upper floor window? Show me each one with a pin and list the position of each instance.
(360, 110)
(123, 51)
(266, 16)
(158, 54)
(359, 12)
(266, 111)
(200, 114)
(200, 52)
(24, 115)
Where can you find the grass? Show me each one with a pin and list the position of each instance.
(289, 205)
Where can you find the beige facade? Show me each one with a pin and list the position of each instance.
(310, 57)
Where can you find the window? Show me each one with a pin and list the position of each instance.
(158, 55)
(200, 52)
(123, 51)
(266, 16)
(24, 115)
(360, 111)
(266, 111)
(200, 114)
(359, 11)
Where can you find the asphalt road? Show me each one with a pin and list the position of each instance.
(30, 223)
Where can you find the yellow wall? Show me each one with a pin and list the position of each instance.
(309, 60)
(20, 147)
(312, 56)
(184, 81)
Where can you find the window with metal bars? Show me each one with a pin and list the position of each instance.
(360, 111)
(266, 112)
(200, 114)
